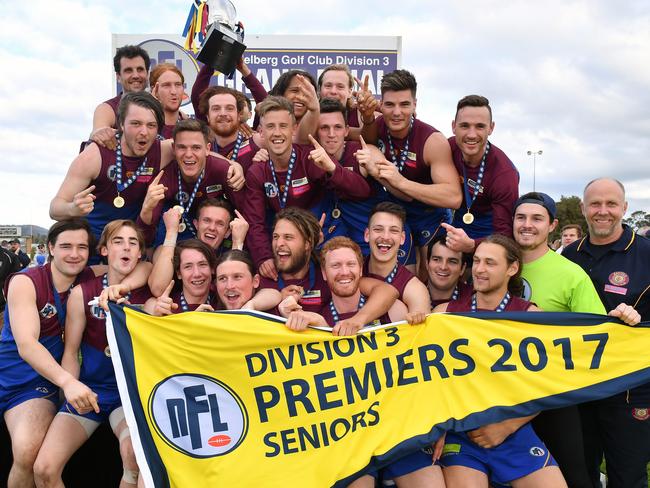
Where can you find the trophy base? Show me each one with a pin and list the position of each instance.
(222, 49)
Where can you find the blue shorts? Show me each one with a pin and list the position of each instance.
(408, 464)
(38, 388)
(426, 225)
(519, 455)
(107, 399)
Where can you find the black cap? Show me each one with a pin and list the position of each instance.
(538, 199)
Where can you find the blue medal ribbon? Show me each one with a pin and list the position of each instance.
(118, 169)
(335, 313)
(399, 162)
(285, 193)
(190, 200)
(312, 277)
(500, 308)
(479, 180)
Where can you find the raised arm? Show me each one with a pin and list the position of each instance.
(75, 198)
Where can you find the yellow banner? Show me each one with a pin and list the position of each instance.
(236, 399)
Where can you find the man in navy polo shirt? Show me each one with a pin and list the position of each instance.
(616, 260)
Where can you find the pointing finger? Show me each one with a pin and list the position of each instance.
(314, 142)
(363, 142)
(156, 180)
(87, 191)
(365, 83)
(168, 290)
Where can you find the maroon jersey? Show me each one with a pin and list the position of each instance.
(462, 291)
(307, 189)
(326, 313)
(240, 150)
(353, 118)
(495, 196)
(183, 306)
(399, 277)
(114, 103)
(464, 304)
(106, 185)
(202, 82)
(213, 185)
(415, 169)
(316, 291)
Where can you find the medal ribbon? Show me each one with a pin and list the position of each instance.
(500, 308)
(335, 313)
(235, 150)
(479, 179)
(389, 279)
(105, 285)
(285, 193)
(118, 169)
(404, 152)
(184, 306)
(312, 277)
(190, 200)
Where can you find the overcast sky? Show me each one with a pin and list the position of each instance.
(570, 78)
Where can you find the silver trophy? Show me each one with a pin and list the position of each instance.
(223, 45)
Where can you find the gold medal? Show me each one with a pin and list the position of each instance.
(336, 213)
(179, 209)
(468, 218)
(182, 227)
(118, 202)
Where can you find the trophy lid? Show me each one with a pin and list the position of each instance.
(222, 12)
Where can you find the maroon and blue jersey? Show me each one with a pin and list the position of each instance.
(114, 103)
(461, 291)
(399, 277)
(14, 371)
(106, 187)
(423, 219)
(241, 150)
(495, 196)
(464, 304)
(308, 189)
(214, 184)
(96, 366)
(326, 313)
(316, 291)
(179, 299)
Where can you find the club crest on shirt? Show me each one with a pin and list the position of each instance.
(537, 451)
(619, 278)
(110, 172)
(527, 289)
(270, 190)
(640, 413)
(48, 311)
(182, 196)
(97, 312)
(107, 351)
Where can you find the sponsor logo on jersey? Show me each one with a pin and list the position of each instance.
(213, 188)
(42, 389)
(300, 186)
(270, 190)
(48, 311)
(198, 415)
(147, 171)
(619, 290)
(311, 297)
(472, 184)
